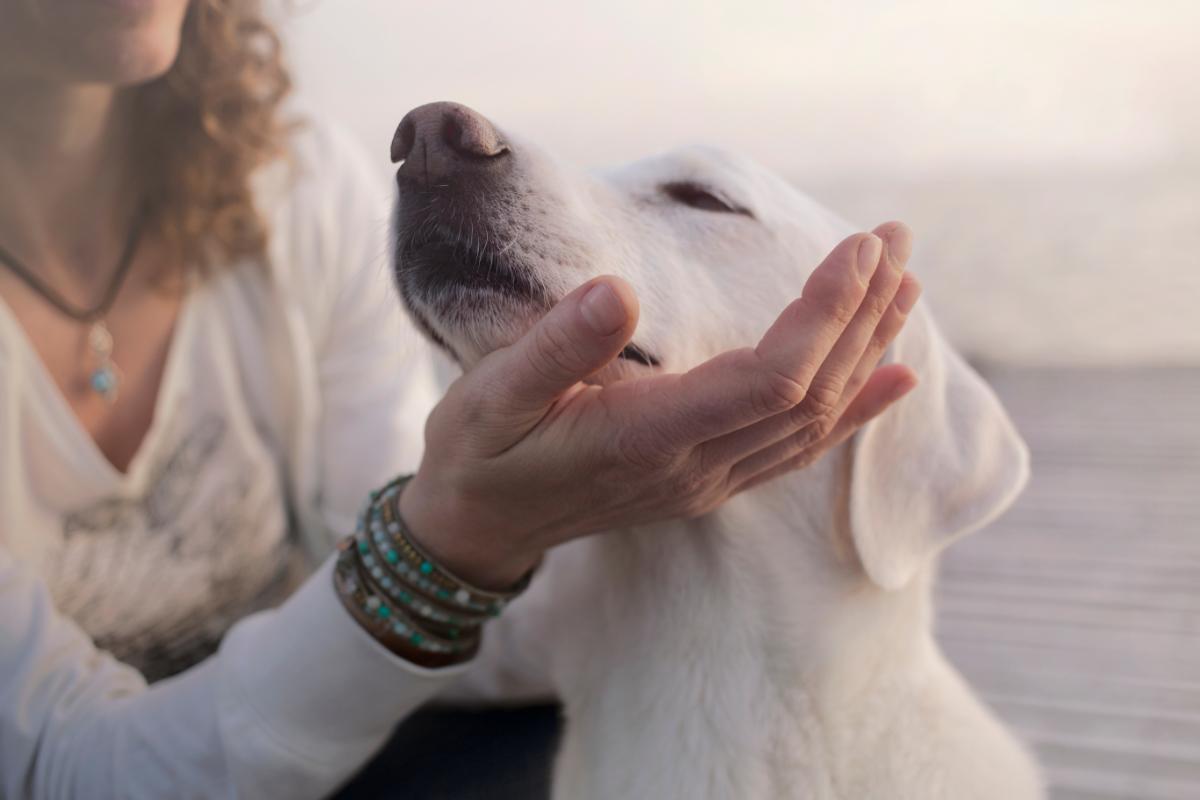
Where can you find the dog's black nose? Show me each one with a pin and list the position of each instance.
(438, 140)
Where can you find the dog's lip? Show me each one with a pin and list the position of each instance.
(491, 271)
(477, 267)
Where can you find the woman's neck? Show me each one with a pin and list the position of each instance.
(65, 174)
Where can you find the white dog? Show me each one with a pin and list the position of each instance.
(782, 646)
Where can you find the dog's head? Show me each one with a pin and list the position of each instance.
(490, 233)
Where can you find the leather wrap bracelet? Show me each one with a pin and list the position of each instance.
(407, 600)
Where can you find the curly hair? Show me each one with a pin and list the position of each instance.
(205, 126)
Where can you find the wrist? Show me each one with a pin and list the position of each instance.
(442, 524)
(398, 645)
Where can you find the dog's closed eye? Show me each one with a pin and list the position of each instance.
(699, 196)
(634, 353)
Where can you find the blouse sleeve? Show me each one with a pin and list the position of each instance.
(293, 702)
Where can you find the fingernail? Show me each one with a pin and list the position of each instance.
(901, 389)
(868, 256)
(602, 310)
(899, 242)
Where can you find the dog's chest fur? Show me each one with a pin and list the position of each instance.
(686, 662)
(742, 656)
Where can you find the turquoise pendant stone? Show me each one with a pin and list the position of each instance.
(104, 381)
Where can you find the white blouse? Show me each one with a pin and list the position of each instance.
(290, 390)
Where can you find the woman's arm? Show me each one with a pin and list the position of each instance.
(293, 702)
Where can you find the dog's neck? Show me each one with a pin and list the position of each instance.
(755, 631)
(775, 569)
(747, 654)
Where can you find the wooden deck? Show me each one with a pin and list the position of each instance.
(1077, 615)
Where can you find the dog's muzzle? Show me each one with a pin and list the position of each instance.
(455, 172)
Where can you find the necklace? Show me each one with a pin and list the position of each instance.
(105, 377)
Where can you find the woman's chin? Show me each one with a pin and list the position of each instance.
(126, 57)
(115, 42)
(140, 64)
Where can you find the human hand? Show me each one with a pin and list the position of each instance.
(521, 456)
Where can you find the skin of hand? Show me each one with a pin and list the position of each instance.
(521, 456)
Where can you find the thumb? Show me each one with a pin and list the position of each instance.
(584, 332)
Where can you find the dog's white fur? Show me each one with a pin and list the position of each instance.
(782, 646)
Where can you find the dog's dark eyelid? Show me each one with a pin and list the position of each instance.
(634, 353)
(698, 196)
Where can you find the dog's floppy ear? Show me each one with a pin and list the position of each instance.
(943, 462)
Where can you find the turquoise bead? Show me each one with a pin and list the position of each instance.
(103, 380)
(384, 612)
(392, 556)
(426, 568)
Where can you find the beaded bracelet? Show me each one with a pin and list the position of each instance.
(421, 569)
(388, 620)
(402, 647)
(402, 595)
(394, 581)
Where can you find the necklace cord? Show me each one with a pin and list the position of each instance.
(85, 315)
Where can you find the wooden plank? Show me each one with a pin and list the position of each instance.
(1077, 615)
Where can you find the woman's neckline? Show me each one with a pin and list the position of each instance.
(71, 428)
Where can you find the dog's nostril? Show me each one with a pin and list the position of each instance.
(439, 142)
(470, 136)
(402, 142)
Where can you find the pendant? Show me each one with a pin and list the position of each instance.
(105, 379)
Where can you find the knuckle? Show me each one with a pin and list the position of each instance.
(777, 392)
(876, 305)
(841, 311)
(689, 483)
(880, 341)
(800, 461)
(820, 429)
(641, 451)
(803, 417)
(805, 439)
(798, 417)
(693, 488)
(822, 399)
(552, 354)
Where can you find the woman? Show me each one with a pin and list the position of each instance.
(203, 372)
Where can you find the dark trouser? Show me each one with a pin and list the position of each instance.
(457, 754)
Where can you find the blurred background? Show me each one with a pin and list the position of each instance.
(1047, 156)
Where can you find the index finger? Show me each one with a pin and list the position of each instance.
(741, 387)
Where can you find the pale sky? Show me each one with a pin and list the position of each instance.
(803, 86)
